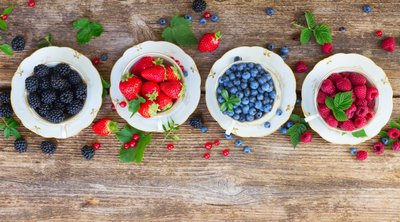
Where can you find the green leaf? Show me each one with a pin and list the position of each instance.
(136, 154)
(305, 36)
(223, 107)
(2, 126)
(394, 124)
(179, 20)
(8, 10)
(14, 124)
(81, 23)
(383, 133)
(184, 36)
(15, 133)
(83, 36)
(46, 41)
(3, 25)
(296, 118)
(225, 95)
(329, 103)
(6, 49)
(295, 132)
(343, 100)
(230, 106)
(359, 134)
(340, 115)
(168, 35)
(235, 100)
(87, 30)
(322, 34)
(96, 29)
(134, 105)
(310, 20)
(125, 135)
(105, 85)
(7, 132)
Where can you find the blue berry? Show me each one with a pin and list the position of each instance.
(233, 90)
(188, 17)
(239, 95)
(253, 72)
(366, 8)
(258, 105)
(270, 11)
(284, 50)
(279, 112)
(272, 95)
(232, 76)
(353, 151)
(245, 101)
(162, 21)
(267, 108)
(298, 101)
(204, 129)
(246, 92)
(242, 118)
(214, 18)
(237, 58)
(249, 118)
(238, 142)
(265, 87)
(246, 75)
(250, 65)
(220, 99)
(252, 111)
(228, 136)
(245, 109)
(237, 111)
(283, 130)
(342, 29)
(203, 21)
(219, 89)
(230, 113)
(284, 57)
(243, 85)
(289, 124)
(258, 115)
(260, 97)
(240, 67)
(252, 99)
(246, 149)
(185, 73)
(270, 46)
(236, 117)
(104, 57)
(267, 124)
(385, 141)
(254, 85)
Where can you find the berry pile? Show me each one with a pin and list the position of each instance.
(362, 106)
(251, 87)
(56, 93)
(5, 107)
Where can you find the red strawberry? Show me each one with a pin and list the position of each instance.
(209, 42)
(173, 89)
(360, 91)
(150, 90)
(351, 111)
(130, 86)
(347, 126)
(105, 127)
(143, 63)
(389, 44)
(301, 67)
(372, 93)
(324, 111)
(343, 84)
(164, 102)
(156, 73)
(148, 109)
(173, 73)
(321, 97)
(360, 122)
(327, 48)
(357, 79)
(328, 87)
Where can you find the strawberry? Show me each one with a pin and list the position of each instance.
(105, 127)
(389, 44)
(155, 73)
(148, 109)
(143, 63)
(173, 89)
(164, 102)
(130, 86)
(150, 90)
(173, 73)
(209, 42)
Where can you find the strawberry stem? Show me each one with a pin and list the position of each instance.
(218, 35)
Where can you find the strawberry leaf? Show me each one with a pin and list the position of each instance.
(87, 30)
(7, 132)
(81, 23)
(106, 86)
(125, 135)
(310, 20)
(134, 105)
(322, 34)
(8, 10)
(46, 41)
(305, 36)
(136, 154)
(383, 133)
(6, 49)
(179, 32)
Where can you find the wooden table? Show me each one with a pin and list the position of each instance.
(315, 182)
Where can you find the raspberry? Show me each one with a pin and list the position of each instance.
(361, 155)
(370, 115)
(331, 121)
(353, 95)
(324, 111)
(371, 104)
(351, 111)
(321, 97)
(335, 77)
(361, 102)
(360, 91)
(362, 111)
(357, 79)
(360, 122)
(327, 48)
(378, 148)
(306, 137)
(347, 126)
(328, 87)
(345, 74)
(372, 93)
(394, 133)
(343, 84)
(396, 146)
(301, 67)
(389, 44)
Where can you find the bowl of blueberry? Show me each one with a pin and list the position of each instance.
(56, 92)
(250, 91)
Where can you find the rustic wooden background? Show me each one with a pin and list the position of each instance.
(315, 182)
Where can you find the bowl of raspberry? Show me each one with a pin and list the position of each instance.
(348, 98)
(55, 92)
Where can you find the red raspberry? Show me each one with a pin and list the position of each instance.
(389, 44)
(132, 143)
(396, 146)
(345, 74)
(394, 133)
(96, 60)
(351, 111)
(361, 102)
(216, 142)
(31, 3)
(225, 152)
(327, 48)
(335, 76)
(207, 15)
(306, 137)
(362, 111)
(122, 104)
(331, 121)
(170, 146)
(343, 84)
(357, 79)
(328, 87)
(4, 17)
(378, 148)
(371, 104)
(206, 156)
(324, 111)
(370, 115)
(347, 125)
(360, 91)
(301, 67)
(321, 97)
(96, 146)
(126, 146)
(360, 122)
(353, 96)
(372, 93)
(378, 33)
(136, 137)
(361, 155)
(208, 145)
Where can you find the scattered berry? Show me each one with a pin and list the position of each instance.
(246, 149)
(104, 57)
(361, 155)
(207, 15)
(96, 61)
(209, 42)
(188, 17)
(126, 146)
(394, 133)
(327, 48)
(208, 145)
(199, 5)
(202, 21)
(238, 142)
(301, 67)
(389, 44)
(162, 21)
(270, 46)
(228, 136)
(289, 124)
(284, 50)
(132, 143)
(4, 17)
(31, 3)
(385, 141)
(6, 111)
(204, 129)
(96, 146)
(170, 146)
(278, 112)
(267, 125)
(378, 33)
(396, 146)
(306, 137)
(87, 152)
(122, 104)
(270, 11)
(378, 148)
(237, 58)
(342, 29)
(216, 142)
(225, 152)
(105, 127)
(366, 8)
(196, 122)
(48, 147)
(206, 156)
(136, 137)
(353, 151)
(20, 145)
(185, 73)
(214, 18)
(18, 43)
(283, 130)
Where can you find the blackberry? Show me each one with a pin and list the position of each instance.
(196, 122)
(20, 145)
(6, 110)
(59, 83)
(34, 100)
(87, 152)
(48, 147)
(44, 83)
(48, 96)
(31, 84)
(59, 105)
(41, 70)
(66, 97)
(18, 43)
(75, 107)
(74, 78)
(63, 69)
(5, 97)
(55, 116)
(44, 110)
(81, 92)
(199, 5)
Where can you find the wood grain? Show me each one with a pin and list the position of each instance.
(315, 182)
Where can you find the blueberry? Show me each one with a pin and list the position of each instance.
(188, 17)
(220, 99)
(246, 149)
(249, 118)
(260, 97)
(228, 71)
(250, 65)
(219, 89)
(162, 21)
(104, 57)
(272, 95)
(202, 21)
(268, 76)
(260, 91)
(266, 100)
(246, 92)
(238, 142)
(283, 130)
(243, 85)
(385, 141)
(251, 79)
(233, 68)
(237, 111)
(221, 79)
(252, 111)
(251, 104)
(232, 76)
(254, 85)
(245, 109)
(214, 18)
(253, 72)
(270, 46)
(236, 117)
(284, 57)
(258, 105)
(289, 124)
(246, 75)
(298, 101)
(233, 90)
(270, 11)
(353, 151)
(204, 129)
(366, 8)
(278, 112)
(259, 67)
(267, 125)
(242, 118)
(185, 73)
(265, 87)
(267, 108)
(236, 82)
(284, 50)
(245, 100)
(240, 67)
(230, 113)
(262, 80)
(258, 115)
(252, 99)
(227, 136)
(342, 29)
(229, 84)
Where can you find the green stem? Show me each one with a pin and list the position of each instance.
(297, 25)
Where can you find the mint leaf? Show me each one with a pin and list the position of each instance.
(359, 134)
(81, 23)
(322, 34)
(46, 41)
(235, 100)
(2, 126)
(136, 154)
(295, 132)
(310, 20)
(6, 49)
(329, 103)
(7, 132)
(96, 29)
(340, 115)
(179, 32)
(179, 20)
(15, 133)
(305, 36)
(86, 30)
(230, 106)
(106, 86)
(8, 10)
(83, 36)
(225, 95)
(134, 105)
(223, 107)
(343, 100)
(168, 35)
(3, 25)
(394, 124)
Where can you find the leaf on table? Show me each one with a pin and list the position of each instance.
(136, 154)
(359, 134)
(3, 25)
(46, 41)
(106, 86)
(81, 23)
(305, 36)
(310, 20)
(179, 32)
(125, 135)
(8, 10)
(6, 49)
(383, 133)
(295, 132)
(322, 34)
(394, 124)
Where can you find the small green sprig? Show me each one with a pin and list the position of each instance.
(170, 130)
(106, 86)
(179, 32)
(294, 132)
(132, 154)
(87, 30)
(45, 41)
(230, 101)
(321, 32)
(339, 104)
(9, 126)
(6, 12)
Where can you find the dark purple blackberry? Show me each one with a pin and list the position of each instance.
(55, 116)
(41, 70)
(74, 78)
(48, 147)
(31, 84)
(66, 97)
(60, 105)
(20, 145)
(199, 5)
(34, 100)
(59, 83)
(18, 43)
(196, 122)
(87, 152)
(6, 110)
(63, 69)
(48, 96)
(44, 83)
(81, 92)
(5, 96)
(75, 107)
(44, 110)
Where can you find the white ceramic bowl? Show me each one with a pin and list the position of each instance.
(347, 63)
(182, 108)
(51, 56)
(285, 86)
